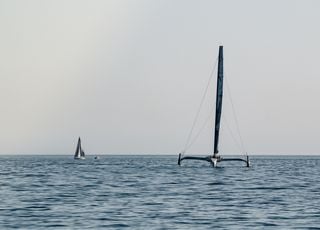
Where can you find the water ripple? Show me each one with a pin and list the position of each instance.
(152, 192)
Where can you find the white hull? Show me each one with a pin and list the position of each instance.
(79, 158)
(214, 162)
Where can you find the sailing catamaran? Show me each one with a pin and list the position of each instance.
(215, 158)
(79, 154)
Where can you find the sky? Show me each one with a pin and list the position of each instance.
(128, 75)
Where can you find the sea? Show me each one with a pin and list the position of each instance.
(153, 192)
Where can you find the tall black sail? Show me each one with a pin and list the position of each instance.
(77, 153)
(218, 101)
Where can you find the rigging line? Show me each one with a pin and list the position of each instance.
(212, 126)
(235, 117)
(199, 109)
(231, 133)
(200, 130)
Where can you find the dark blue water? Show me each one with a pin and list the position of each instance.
(152, 192)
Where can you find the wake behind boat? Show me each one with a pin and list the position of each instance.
(79, 154)
(215, 158)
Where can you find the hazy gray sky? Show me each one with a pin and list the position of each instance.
(128, 75)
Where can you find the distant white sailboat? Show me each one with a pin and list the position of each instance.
(79, 154)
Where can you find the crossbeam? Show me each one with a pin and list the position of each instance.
(212, 160)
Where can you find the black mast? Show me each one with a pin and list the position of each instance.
(218, 101)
